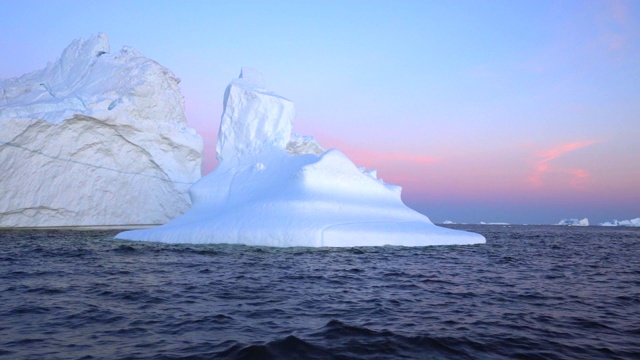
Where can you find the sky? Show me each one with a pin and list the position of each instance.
(522, 111)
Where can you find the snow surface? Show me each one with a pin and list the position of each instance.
(631, 222)
(274, 189)
(574, 222)
(95, 139)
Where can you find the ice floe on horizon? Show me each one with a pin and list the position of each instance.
(631, 222)
(574, 222)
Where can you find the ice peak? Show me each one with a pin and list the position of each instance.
(100, 44)
(253, 119)
(252, 76)
(95, 46)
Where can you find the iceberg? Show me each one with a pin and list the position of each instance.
(632, 222)
(275, 188)
(574, 222)
(95, 139)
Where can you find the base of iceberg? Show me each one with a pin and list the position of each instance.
(274, 189)
(300, 200)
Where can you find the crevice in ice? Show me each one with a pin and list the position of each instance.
(230, 187)
(166, 178)
(113, 104)
(48, 89)
(24, 131)
(84, 105)
(37, 210)
(14, 143)
(69, 160)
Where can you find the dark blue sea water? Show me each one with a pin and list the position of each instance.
(535, 292)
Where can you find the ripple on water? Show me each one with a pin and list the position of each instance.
(530, 292)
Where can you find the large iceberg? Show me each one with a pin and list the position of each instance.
(272, 188)
(95, 139)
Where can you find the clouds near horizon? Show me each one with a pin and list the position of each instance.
(545, 167)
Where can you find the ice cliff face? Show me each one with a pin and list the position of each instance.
(95, 139)
(253, 120)
(272, 188)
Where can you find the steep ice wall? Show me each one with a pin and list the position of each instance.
(95, 139)
(272, 188)
(254, 119)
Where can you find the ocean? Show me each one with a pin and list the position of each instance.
(534, 292)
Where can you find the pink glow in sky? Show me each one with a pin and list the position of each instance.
(544, 165)
(511, 111)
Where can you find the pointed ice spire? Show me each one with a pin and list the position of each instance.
(99, 44)
(252, 76)
(253, 119)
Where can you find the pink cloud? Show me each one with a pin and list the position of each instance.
(578, 173)
(544, 166)
(398, 157)
(364, 157)
(619, 11)
(361, 156)
(616, 32)
(578, 178)
(612, 41)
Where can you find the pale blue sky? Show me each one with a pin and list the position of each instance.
(516, 111)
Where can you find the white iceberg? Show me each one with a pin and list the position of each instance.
(574, 222)
(95, 139)
(274, 189)
(632, 222)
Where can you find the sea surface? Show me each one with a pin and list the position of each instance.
(530, 292)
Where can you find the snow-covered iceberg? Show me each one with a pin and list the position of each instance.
(574, 222)
(95, 139)
(632, 222)
(272, 188)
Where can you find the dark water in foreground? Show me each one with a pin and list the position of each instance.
(539, 292)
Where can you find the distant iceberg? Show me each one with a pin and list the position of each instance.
(574, 222)
(632, 222)
(272, 188)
